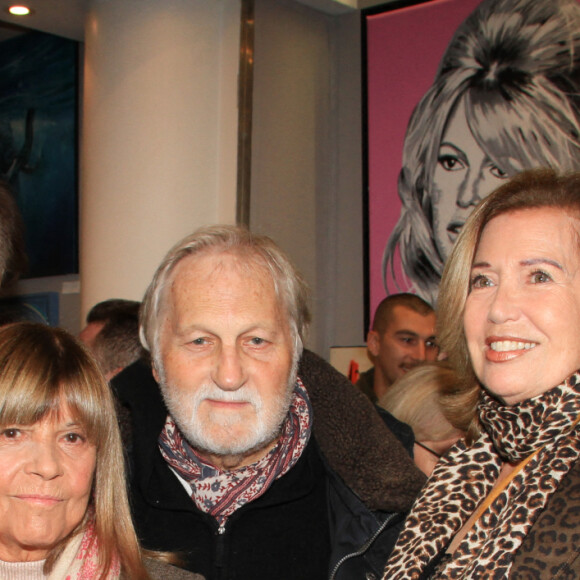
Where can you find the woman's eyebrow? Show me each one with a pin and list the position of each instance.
(480, 265)
(536, 261)
(530, 262)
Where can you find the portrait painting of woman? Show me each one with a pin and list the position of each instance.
(504, 99)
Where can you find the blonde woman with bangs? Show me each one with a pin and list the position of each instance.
(430, 400)
(64, 511)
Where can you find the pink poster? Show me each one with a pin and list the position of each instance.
(456, 104)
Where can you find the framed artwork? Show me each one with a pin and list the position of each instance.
(40, 307)
(38, 145)
(454, 107)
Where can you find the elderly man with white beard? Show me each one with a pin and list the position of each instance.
(261, 461)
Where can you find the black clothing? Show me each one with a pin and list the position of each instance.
(309, 521)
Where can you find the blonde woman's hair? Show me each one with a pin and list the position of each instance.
(429, 399)
(42, 369)
(541, 188)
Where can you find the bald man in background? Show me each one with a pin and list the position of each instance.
(402, 336)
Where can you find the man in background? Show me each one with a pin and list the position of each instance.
(13, 259)
(112, 334)
(401, 337)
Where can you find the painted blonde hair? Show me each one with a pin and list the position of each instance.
(515, 64)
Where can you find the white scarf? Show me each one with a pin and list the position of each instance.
(79, 560)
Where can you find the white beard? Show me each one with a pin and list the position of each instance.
(227, 433)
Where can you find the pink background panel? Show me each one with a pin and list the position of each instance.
(404, 47)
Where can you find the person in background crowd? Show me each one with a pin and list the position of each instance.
(401, 337)
(13, 259)
(112, 334)
(428, 399)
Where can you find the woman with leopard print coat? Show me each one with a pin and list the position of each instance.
(505, 501)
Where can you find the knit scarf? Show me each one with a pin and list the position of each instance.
(464, 477)
(220, 493)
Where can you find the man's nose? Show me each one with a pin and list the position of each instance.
(419, 351)
(229, 373)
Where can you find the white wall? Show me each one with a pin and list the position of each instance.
(306, 157)
(159, 144)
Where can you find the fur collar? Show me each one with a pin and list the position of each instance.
(356, 442)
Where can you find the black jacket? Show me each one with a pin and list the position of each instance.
(335, 514)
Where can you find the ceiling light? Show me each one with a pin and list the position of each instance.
(19, 10)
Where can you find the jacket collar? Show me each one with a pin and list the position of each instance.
(355, 441)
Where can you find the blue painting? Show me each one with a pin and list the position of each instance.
(38, 145)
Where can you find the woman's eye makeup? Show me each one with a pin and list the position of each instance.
(10, 433)
(535, 277)
(74, 438)
(479, 281)
(450, 162)
(540, 277)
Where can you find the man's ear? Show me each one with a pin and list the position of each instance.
(155, 373)
(373, 343)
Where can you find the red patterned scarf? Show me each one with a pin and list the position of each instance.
(80, 559)
(220, 493)
(546, 424)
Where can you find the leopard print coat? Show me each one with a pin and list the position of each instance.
(552, 547)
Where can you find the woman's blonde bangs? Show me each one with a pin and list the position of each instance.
(39, 376)
(45, 371)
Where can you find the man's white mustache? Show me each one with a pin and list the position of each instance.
(242, 395)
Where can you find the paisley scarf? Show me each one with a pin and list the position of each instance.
(546, 424)
(220, 493)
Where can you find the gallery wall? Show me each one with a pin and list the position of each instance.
(158, 143)
(306, 157)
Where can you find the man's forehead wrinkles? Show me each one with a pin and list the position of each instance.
(188, 273)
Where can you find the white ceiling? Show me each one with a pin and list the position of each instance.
(67, 17)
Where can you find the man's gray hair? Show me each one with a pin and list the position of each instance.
(261, 251)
